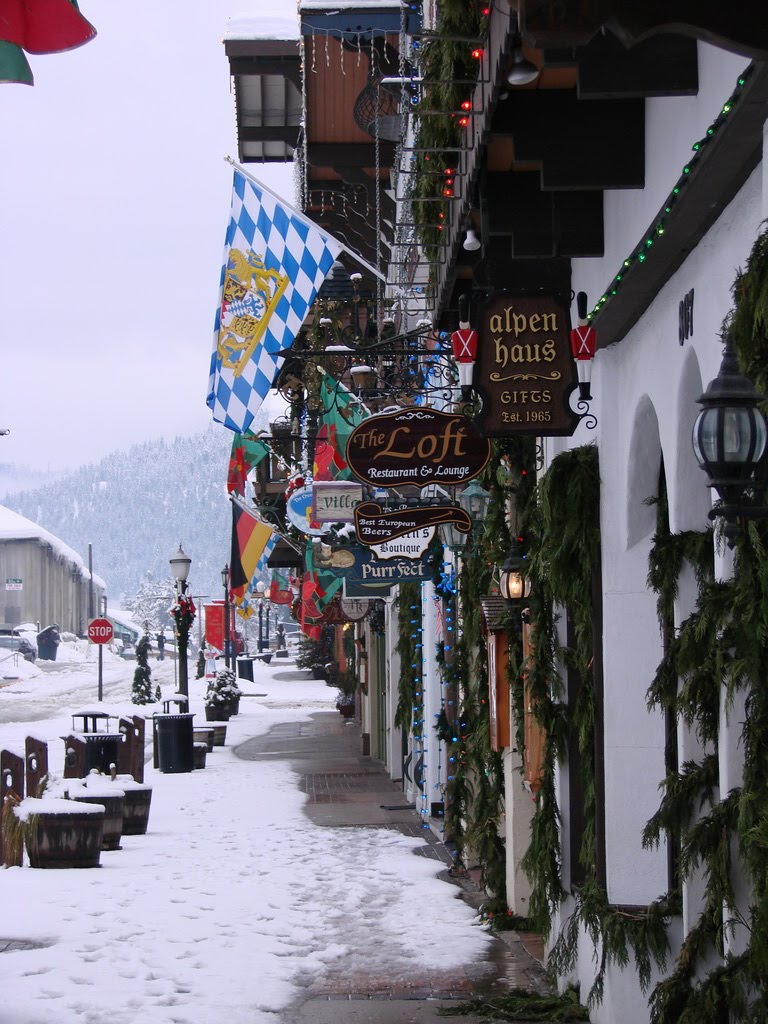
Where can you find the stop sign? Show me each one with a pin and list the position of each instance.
(100, 631)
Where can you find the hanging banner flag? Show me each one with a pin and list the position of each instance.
(274, 264)
(44, 26)
(247, 452)
(341, 412)
(250, 543)
(280, 588)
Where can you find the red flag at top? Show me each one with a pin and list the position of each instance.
(44, 26)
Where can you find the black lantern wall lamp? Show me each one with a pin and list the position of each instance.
(514, 585)
(729, 441)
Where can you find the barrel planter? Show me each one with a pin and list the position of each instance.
(200, 754)
(62, 833)
(138, 799)
(204, 733)
(112, 799)
(218, 713)
(219, 733)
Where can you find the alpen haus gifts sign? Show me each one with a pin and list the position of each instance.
(525, 372)
(417, 446)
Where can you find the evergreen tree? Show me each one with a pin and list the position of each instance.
(200, 669)
(152, 601)
(142, 677)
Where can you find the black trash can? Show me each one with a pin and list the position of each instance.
(174, 743)
(101, 751)
(245, 669)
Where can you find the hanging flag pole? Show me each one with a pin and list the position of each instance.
(310, 223)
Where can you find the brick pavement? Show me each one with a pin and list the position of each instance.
(344, 788)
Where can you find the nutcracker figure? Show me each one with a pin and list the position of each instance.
(583, 345)
(464, 345)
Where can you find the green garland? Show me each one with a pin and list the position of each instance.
(446, 62)
(564, 554)
(406, 716)
(722, 644)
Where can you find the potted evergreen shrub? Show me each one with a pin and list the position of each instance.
(142, 677)
(220, 696)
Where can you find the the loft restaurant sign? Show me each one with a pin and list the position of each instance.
(525, 372)
(417, 446)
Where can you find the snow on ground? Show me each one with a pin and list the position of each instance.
(233, 901)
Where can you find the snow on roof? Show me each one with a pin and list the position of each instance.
(16, 527)
(269, 26)
(124, 618)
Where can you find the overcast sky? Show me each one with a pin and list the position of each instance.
(113, 209)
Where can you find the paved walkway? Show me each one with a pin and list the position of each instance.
(346, 789)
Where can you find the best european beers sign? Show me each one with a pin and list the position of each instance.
(417, 446)
(525, 372)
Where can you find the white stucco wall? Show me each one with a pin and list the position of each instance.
(645, 389)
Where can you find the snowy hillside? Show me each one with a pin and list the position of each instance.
(135, 506)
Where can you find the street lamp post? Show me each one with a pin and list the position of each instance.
(261, 588)
(225, 584)
(183, 615)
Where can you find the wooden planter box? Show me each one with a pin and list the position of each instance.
(113, 804)
(62, 833)
(204, 734)
(220, 713)
(138, 799)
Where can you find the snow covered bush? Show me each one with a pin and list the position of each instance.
(222, 689)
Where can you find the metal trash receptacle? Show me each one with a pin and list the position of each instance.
(101, 751)
(174, 742)
(245, 669)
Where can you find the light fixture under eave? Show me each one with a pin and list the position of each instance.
(471, 242)
(729, 441)
(523, 71)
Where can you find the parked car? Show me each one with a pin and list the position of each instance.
(14, 641)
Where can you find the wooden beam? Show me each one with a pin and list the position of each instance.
(580, 145)
(349, 154)
(665, 65)
(289, 134)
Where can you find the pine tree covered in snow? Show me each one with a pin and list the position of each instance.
(142, 677)
(152, 601)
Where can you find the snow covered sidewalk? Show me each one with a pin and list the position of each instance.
(233, 903)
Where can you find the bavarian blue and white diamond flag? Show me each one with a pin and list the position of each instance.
(274, 263)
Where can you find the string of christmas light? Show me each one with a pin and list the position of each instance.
(425, 808)
(642, 252)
